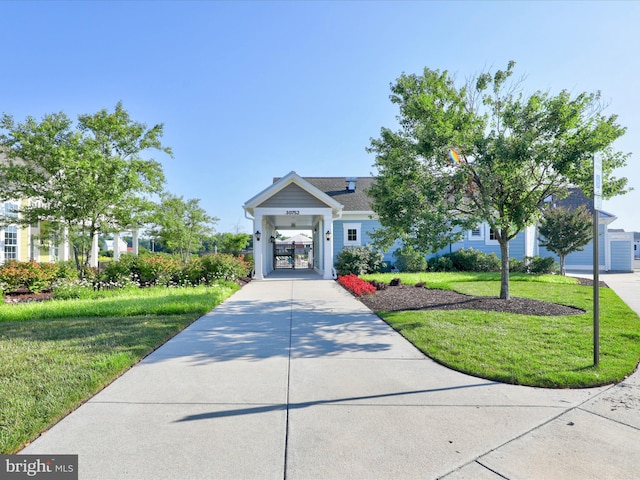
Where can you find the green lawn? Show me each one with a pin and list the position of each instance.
(528, 350)
(57, 354)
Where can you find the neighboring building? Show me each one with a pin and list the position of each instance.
(636, 244)
(338, 212)
(24, 243)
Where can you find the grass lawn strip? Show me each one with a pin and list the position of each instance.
(522, 349)
(50, 366)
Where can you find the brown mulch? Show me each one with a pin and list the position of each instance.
(404, 297)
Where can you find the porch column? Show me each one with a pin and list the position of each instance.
(116, 246)
(135, 241)
(93, 256)
(258, 249)
(64, 256)
(327, 247)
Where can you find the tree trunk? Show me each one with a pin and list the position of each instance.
(504, 273)
(562, 268)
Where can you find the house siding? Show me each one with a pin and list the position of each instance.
(366, 227)
(292, 196)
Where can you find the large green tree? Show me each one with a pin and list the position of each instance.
(181, 225)
(82, 179)
(511, 151)
(565, 231)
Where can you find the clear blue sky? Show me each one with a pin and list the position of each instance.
(252, 90)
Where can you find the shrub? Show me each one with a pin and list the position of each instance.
(440, 264)
(158, 269)
(356, 285)
(421, 285)
(535, 265)
(409, 259)
(471, 260)
(222, 266)
(543, 265)
(395, 282)
(124, 271)
(358, 260)
(31, 275)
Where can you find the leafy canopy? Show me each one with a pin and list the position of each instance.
(515, 150)
(84, 179)
(181, 225)
(565, 231)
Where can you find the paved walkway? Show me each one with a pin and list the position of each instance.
(292, 378)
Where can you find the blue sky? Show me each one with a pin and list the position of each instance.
(251, 90)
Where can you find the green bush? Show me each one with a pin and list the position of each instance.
(440, 264)
(31, 275)
(471, 260)
(158, 269)
(409, 259)
(543, 265)
(222, 266)
(358, 260)
(535, 265)
(124, 271)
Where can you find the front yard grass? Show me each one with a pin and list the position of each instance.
(539, 351)
(57, 354)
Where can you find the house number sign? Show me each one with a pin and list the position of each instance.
(293, 212)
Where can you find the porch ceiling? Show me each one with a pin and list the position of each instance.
(286, 222)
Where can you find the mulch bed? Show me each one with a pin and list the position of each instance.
(404, 297)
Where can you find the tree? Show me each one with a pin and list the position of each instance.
(82, 180)
(565, 231)
(181, 225)
(232, 243)
(510, 151)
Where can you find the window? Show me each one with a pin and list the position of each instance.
(493, 235)
(352, 237)
(476, 233)
(11, 242)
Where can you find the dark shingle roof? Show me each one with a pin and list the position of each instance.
(336, 187)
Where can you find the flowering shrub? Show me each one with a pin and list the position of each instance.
(32, 275)
(158, 269)
(222, 266)
(356, 285)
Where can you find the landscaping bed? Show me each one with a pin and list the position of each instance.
(396, 298)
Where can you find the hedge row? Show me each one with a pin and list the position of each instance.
(143, 270)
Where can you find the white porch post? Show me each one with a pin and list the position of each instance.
(135, 241)
(258, 261)
(116, 246)
(93, 257)
(65, 245)
(328, 247)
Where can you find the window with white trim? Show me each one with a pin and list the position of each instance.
(477, 233)
(11, 242)
(352, 235)
(11, 232)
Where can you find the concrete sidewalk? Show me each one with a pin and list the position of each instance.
(293, 378)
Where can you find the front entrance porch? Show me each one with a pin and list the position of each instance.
(292, 203)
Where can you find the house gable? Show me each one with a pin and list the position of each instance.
(293, 196)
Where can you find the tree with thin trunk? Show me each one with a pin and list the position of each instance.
(181, 225)
(565, 231)
(80, 180)
(481, 152)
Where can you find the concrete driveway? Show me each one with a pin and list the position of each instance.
(292, 378)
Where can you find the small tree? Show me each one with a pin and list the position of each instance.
(565, 231)
(484, 151)
(181, 225)
(81, 180)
